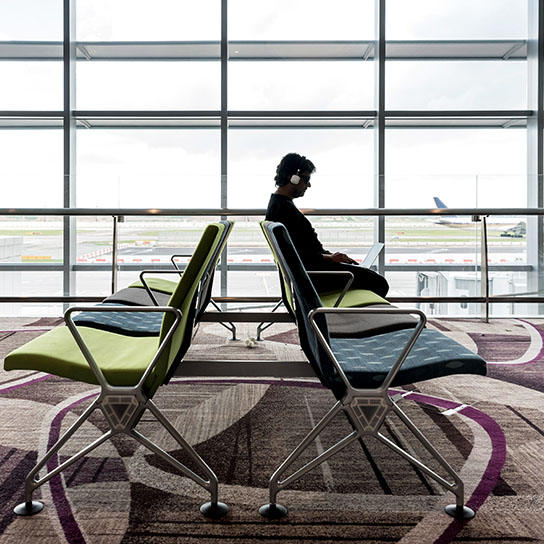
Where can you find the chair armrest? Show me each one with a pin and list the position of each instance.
(392, 311)
(336, 273)
(174, 262)
(147, 288)
(97, 371)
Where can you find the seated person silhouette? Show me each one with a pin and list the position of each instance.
(292, 181)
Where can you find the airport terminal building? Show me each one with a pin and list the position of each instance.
(127, 128)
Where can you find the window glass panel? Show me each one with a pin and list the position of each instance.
(301, 85)
(31, 20)
(462, 19)
(31, 85)
(148, 85)
(465, 168)
(343, 159)
(31, 310)
(143, 243)
(161, 20)
(456, 85)
(31, 168)
(22, 283)
(36, 239)
(251, 283)
(301, 20)
(148, 168)
(247, 247)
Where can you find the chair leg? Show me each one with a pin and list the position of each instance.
(32, 481)
(457, 510)
(212, 509)
(263, 326)
(275, 510)
(231, 327)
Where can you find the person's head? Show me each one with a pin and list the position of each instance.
(293, 174)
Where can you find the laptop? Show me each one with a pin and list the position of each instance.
(372, 255)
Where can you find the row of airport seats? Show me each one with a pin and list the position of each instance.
(359, 364)
(130, 349)
(345, 298)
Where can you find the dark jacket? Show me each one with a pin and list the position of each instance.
(281, 209)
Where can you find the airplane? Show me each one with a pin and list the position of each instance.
(514, 227)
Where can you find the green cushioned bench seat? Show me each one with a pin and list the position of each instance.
(117, 362)
(123, 359)
(157, 284)
(354, 298)
(137, 297)
(149, 324)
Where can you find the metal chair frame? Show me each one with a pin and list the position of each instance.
(204, 284)
(123, 407)
(366, 409)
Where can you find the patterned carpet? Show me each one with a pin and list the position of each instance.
(491, 429)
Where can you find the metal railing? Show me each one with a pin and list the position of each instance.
(118, 214)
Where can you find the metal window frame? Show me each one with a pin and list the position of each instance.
(374, 51)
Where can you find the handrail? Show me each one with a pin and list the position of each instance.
(261, 211)
(118, 215)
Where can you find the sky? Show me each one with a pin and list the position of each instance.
(141, 168)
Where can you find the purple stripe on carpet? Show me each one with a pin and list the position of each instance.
(279, 381)
(23, 384)
(481, 492)
(64, 510)
(494, 466)
(26, 330)
(541, 352)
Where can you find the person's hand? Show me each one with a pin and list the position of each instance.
(339, 258)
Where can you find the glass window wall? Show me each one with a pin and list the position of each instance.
(161, 123)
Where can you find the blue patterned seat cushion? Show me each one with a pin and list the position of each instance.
(366, 361)
(128, 323)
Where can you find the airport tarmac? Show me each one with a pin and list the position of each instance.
(142, 243)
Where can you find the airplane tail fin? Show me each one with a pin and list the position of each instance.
(442, 206)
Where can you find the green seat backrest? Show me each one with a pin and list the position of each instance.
(206, 287)
(307, 299)
(184, 298)
(285, 285)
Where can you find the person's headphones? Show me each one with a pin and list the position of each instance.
(295, 178)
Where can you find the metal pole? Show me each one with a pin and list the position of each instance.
(224, 133)
(115, 249)
(69, 131)
(535, 144)
(484, 270)
(379, 127)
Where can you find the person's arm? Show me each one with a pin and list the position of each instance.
(338, 258)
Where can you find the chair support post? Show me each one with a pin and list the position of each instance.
(274, 510)
(263, 326)
(459, 510)
(231, 327)
(212, 509)
(31, 483)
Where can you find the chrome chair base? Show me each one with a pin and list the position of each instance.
(272, 511)
(28, 508)
(214, 510)
(459, 512)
